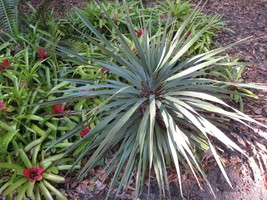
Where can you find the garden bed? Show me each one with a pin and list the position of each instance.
(247, 174)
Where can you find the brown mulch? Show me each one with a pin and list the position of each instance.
(249, 175)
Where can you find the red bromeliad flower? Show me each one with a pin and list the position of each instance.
(139, 32)
(2, 104)
(2, 107)
(5, 64)
(34, 173)
(162, 16)
(85, 131)
(42, 54)
(189, 33)
(58, 108)
(134, 50)
(116, 16)
(104, 70)
(85, 90)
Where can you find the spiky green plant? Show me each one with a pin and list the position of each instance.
(32, 178)
(161, 107)
(9, 17)
(233, 74)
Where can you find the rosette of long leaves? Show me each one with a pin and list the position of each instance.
(160, 108)
(32, 178)
(29, 171)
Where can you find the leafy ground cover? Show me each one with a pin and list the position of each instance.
(32, 72)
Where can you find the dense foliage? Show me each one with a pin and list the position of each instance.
(143, 83)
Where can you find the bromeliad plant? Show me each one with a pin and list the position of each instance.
(24, 166)
(161, 107)
(25, 78)
(32, 178)
(233, 73)
(178, 10)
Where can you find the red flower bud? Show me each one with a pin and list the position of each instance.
(5, 64)
(2, 104)
(162, 17)
(58, 108)
(139, 32)
(104, 70)
(42, 54)
(85, 90)
(116, 16)
(134, 50)
(189, 33)
(85, 131)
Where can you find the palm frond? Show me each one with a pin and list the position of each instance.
(74, 45)
(9, 16)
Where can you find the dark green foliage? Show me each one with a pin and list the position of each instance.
(9, 23)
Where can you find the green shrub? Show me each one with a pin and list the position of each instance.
(161, 109)
(162, 13)
(25, 79)
(232, 73)
(32, 178)
(29, 74)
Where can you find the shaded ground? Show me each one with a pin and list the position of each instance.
(248, 175)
